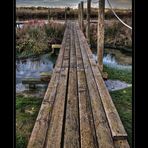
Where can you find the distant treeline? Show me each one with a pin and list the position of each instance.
(23, 13)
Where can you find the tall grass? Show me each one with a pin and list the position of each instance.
(23, 13)
(33, 39)
(116, 34)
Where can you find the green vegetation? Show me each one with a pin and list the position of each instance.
(122, 98)
(118, 74)
(34, 39)
(123, 102)
(26, 112)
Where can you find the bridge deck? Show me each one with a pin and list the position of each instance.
(77, 110)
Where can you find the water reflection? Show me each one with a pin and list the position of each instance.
(116, 59)
(31, 68)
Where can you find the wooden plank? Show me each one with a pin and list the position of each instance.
(34, 81)
(54, 134)
(121, 144)
(116, 126)
(101, 125)
(38, 135)
(79, 15)
(56, 46)
(71, 136)
(65, 14)
(87, 131)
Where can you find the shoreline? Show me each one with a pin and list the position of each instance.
(122, 49)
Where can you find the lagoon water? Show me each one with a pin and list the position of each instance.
(116, 59)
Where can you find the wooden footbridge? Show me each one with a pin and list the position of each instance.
(77, 110)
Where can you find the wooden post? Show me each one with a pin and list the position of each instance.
(82, 14)
(100, 34)
(88, 20)
(48, 14)
(79, 16)
(65, 14)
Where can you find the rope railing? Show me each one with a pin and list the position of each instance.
(117, 16)
(113, 12)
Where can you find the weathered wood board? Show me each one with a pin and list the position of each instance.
(77, 110)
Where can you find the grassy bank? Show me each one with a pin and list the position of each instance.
(26, 112)
(123, 98)
(34, 39)
(118, 74)
(123, 102)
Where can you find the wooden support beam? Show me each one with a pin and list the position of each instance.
(56, 46)
(34, 81)
(100, 34)
(81, 14)
(88, 20)
(65, 14)
(49, 14)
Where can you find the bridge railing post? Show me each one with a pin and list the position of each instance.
(49, 16)
(100, 34)
(88, 20)
(82, 15)
(65, 14)
(79, 16)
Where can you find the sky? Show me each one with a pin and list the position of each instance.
(72, 3)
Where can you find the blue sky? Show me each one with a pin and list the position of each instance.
(71, 3)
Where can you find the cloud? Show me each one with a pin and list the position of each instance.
(71, 3)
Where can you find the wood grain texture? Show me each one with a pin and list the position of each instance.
(88, 20)
(87, 129)
(82, 15)
(100, 33)
(116, 126)
(102, 129)
(71, 133)
(77, 110)
(38, 135)
(121, 144)
(54, 133)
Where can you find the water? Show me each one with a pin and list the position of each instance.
(116, 59)
(20, 26)
(32, 68)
